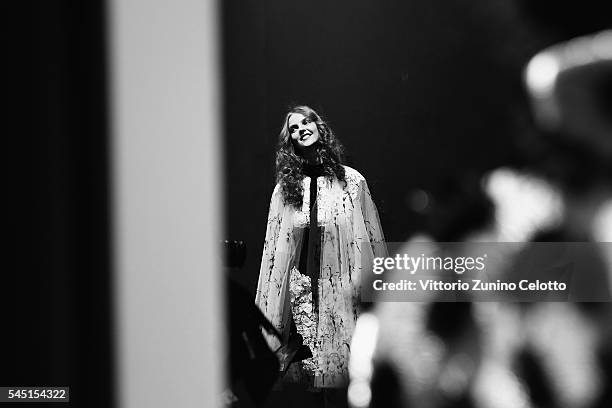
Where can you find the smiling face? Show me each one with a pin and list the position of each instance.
(303, 131)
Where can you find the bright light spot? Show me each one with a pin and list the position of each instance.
(359, 394)
(496, 386)
(363, 345)
(523, 204)
(541, 74)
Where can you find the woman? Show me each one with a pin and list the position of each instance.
(322, 233)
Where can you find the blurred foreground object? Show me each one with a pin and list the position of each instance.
(253, 367)
(495, 354)
(570, 86)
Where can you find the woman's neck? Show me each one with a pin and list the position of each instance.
(310, 155)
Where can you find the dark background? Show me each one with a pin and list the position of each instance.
(55, 293)
(420, 92)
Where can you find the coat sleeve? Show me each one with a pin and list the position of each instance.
(372, 221)
(278, 257)
(374, 233)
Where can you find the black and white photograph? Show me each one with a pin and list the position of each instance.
(326, 204)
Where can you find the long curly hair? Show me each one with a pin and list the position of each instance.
(290, 163)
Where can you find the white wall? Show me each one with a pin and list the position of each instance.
(165, 111)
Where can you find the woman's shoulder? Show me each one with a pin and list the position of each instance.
(277, 192)
(352, 175)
